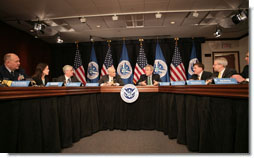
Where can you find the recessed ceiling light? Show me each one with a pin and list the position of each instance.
(98, 26)
(195, 14)
(172, 22)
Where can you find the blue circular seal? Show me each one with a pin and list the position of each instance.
(129, 93)
(124, 69)
(93, 70)
(160, 67)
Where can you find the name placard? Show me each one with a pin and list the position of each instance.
(177, 83)
(225, 81)
(54, 84)
(20, 83)
(164, 83)
(196, 82)
(92, 84)
(73, 84)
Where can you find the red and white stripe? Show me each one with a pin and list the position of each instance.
(80, 74)
(104, 70)
(177, 73)
(137, 73)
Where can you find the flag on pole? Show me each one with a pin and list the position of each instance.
(193, 60)
(79, 69)
(107, 62)
(177, 70)
(124, 68)
(140, 65)
(160, 65)
(93, 68)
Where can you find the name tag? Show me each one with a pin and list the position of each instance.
(225, 81)
(73, 84)
(54, 84)
(196, 82)
(92, 84)
(164, 83)
(177, 83)
(20, 83)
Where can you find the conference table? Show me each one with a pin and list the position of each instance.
(207, 119)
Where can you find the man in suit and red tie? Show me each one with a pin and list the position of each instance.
(199, 73)
(149, 79)
(11, 70)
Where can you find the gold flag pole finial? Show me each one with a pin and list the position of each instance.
(176, 39)
(141, 40)
(76, 42)
(109, 41)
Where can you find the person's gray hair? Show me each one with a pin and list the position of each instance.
(8, 56)
(151, 67)
(221, 60)
(66, 67)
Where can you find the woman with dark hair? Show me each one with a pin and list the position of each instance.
(41, 71)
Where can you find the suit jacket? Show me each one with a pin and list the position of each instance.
(227, 73)
(245, 73)
(143, 77)
(39, 81)
(117, 79)
(62, 79)
(6, 75)
(205, 76)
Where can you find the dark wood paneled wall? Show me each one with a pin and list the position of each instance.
(30, 50)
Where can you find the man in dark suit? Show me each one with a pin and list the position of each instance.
(10, 70)
(149, 78)
(199, 73)
(112, 79)
(221, 70)
(244, 76)
(68, 75)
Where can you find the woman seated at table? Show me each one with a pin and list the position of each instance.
(41, 73)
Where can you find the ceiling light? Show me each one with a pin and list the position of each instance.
(195, 14)
(98, 26)
(241, 16)
(114, 17)
(217, 33)
(59, 40)
(158, 15)
(82, 20)
(172, 22)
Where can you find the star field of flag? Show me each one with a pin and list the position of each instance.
(176, 58)
(108, 59)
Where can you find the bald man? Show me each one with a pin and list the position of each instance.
(10, 70)
(112, 79)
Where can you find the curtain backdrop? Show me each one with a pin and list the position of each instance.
(63, 54)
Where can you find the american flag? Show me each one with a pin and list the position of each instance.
(107, 62)
(140, 65)
(177, 70)
(79, 69)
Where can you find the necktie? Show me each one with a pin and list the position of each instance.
(149, 80)
(69, 80)
(199, 78)
(12, 73)
(219, 76)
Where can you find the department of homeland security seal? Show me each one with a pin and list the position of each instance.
(191, 63)
(129, 93)
(160, 67)
(124, 69)
(93, 70)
